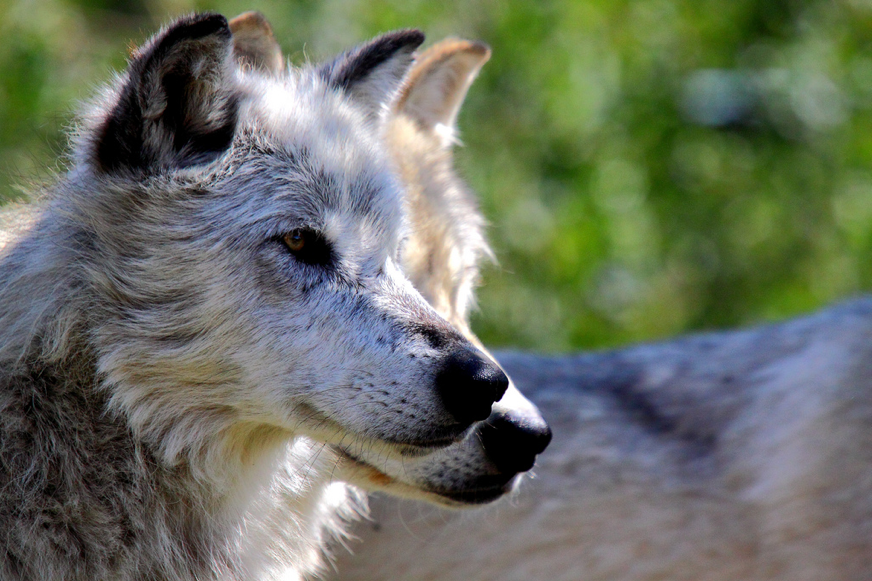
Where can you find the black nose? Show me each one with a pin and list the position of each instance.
(469, 384)
(513, 441)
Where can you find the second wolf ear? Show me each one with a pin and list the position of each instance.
(437, 84)
(373, 73)
(254, 45)
(178, 103)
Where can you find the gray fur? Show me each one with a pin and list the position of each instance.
(717, 457)
(181, 397)
(724, 456)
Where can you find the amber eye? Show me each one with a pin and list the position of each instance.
(308, 246)
(295, 240)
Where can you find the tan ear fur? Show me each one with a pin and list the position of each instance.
(438, 82)
(254, 45)
(446, 243)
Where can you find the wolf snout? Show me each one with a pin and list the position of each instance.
(469, 384)
(512, 440)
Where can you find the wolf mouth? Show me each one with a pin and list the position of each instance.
(475, 495)
(423, 447)
(375, 475)
(406, 450)
(481, 494)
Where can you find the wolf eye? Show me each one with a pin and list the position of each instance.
(308, 246)
(295, 241)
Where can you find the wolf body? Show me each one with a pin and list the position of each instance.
(723, 456)
(205, 331)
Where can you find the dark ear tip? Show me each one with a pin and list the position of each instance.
(202, 25)
(480, 48)
(411, 38)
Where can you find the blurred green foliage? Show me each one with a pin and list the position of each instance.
(648, 167)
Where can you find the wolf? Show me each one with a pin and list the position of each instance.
(207, 341)
(739, 454)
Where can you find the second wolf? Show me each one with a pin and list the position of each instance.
(737, 455)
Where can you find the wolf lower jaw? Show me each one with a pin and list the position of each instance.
(483, 490)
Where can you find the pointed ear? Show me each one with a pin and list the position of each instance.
(178, 102)
(437, 84)
(254, 45)
(373, 73)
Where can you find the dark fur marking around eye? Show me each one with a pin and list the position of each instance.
(308, 246)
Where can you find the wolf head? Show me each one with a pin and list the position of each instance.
(239, 236)
(443, 247)
(446, 244)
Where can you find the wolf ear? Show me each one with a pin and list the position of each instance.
(178, 103)
(438, 82)
(254, 45)
(373, 73)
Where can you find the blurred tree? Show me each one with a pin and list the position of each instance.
(648, 168)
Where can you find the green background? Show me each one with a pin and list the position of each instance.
(647, 168)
